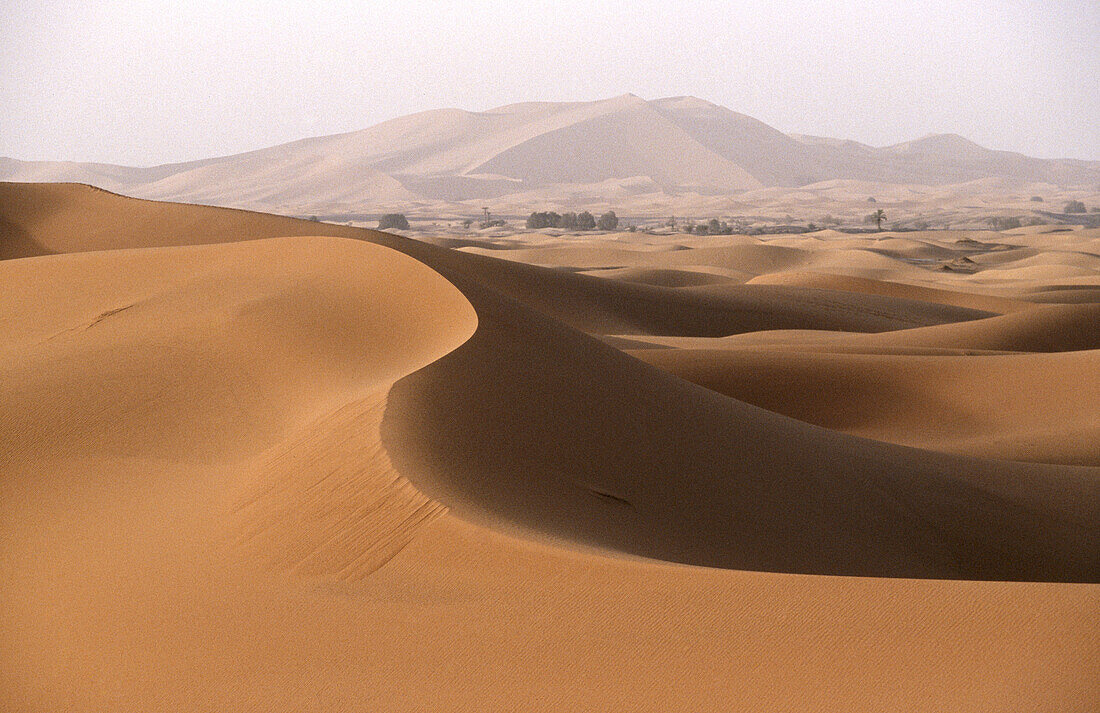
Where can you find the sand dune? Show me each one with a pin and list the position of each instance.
(243, 469)
(890, 289)
(45, 218)
(69, 224)
(994, 406)
(687, 156)
(666, 277)
(575, 451)
(1055, 328)
(1065, 294)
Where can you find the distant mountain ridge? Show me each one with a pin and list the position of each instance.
(671, 146)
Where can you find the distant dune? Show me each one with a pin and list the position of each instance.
(249, 461)
(685, 155)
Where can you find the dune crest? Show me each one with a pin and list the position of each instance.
(267, 361)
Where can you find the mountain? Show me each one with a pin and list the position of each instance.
(572, 151)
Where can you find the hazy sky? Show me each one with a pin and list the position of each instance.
(151, 82)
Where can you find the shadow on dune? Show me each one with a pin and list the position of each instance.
(601, 306)
(16, 242)
(531, 422)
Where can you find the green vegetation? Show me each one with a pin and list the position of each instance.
(1000, 223)
(547, 219)
(586, 221)
(877, 217)
(393, 221)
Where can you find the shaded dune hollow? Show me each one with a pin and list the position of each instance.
(616, 454)
(248, 461)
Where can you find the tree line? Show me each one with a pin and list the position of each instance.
(609, 221)
(573, 221)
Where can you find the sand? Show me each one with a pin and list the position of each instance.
(249, 462)
(685, 157)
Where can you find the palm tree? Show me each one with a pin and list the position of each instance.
(879, 216)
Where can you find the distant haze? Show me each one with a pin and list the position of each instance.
(678, 155)
(154, 82)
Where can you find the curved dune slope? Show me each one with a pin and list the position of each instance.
(1029, 407)
(1048, 328)
(848, 283)
(311, 473)
(618, 455)
(46, 218)
(69, 218)
(254, 360)
(602, 306)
